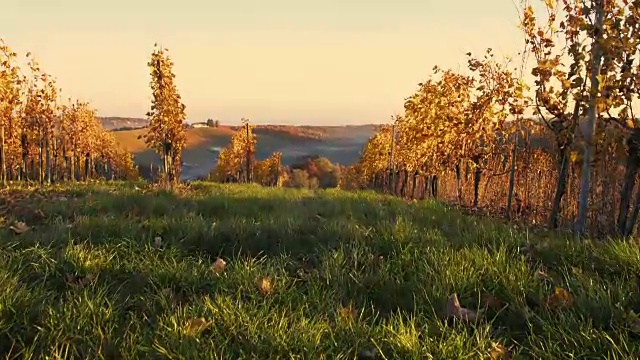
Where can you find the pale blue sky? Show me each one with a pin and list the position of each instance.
(277, 61)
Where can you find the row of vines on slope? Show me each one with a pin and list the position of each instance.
(464, 138)
(237, 161)
(43, 139)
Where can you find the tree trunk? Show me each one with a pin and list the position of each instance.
(403, 185)
(3, 160)
(413, 186)
(434, 186)
(561, 188)
(165, 159)
(512, 175)
(87, 166)
(458, 184)
(56, 155)
(48, 159)
(72, 167)
(633, 163)
(477, 176)
(634, 217)
(41, 159)
(589, 146)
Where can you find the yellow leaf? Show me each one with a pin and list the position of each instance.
(347, 312)
(264, 285)
(498, 351)
(196, 325)
(218, 266)
(560, 298)
(453, 309)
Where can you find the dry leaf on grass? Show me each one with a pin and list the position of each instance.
(560, 298)
(218, 266)
(78, 281)
(541, 274)
(491, 302)
(197, 325)
(39, 214)
(498, 351)
(264, 285)
(453, 309)
(19, 227)
(347, 312)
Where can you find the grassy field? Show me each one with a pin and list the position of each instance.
(122, 271)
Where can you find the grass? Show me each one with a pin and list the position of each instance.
(352, 275)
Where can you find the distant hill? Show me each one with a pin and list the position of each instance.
(117, 123)
(341, 144)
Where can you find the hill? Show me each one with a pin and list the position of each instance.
(127, 271)
(116, 123)
(340, 144)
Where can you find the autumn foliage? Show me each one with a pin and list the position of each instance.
(45, 139)
(237, 161)
(166, 132)
(464, 138)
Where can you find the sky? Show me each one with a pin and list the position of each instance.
(329, 62)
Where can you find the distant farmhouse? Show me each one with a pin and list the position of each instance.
(204, 124)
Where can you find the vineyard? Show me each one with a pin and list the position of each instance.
(386, 258)
(464, 137)
(44, 139)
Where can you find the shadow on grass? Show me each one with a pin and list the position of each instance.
(383, 255)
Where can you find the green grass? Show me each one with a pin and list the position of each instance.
(395, 262)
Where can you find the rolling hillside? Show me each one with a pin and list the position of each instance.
(340, 144)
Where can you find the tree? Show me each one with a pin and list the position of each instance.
(166, 132)
(596, 30)
(9, 102)
(237, 158)
(557, 86)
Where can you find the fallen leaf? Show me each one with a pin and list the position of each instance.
(498, 351)
(19, 227)
(453, 309)
(540, 274)
(196, 325)
(218, 266)
(491, 302)
(347, 312)
(560, 298)
(78, 281)
(39, 214)
(157, 242)
(264, 285)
